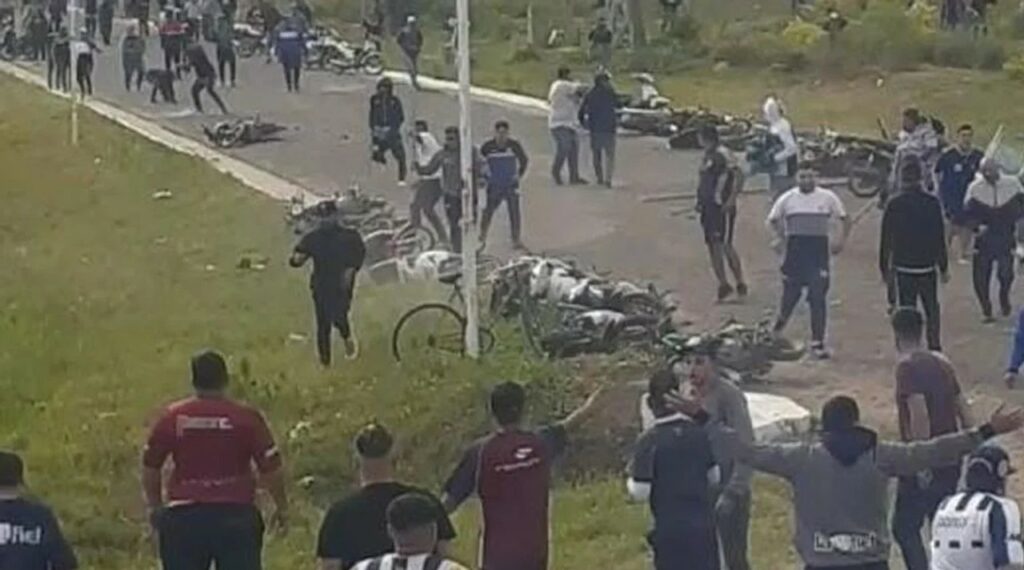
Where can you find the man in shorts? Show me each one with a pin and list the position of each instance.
(954, 172)
(718, 187)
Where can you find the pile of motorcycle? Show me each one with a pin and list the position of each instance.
(327, 50)
(241, 132)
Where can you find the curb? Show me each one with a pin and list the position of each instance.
(523, 102)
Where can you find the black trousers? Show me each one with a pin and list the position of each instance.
(392, 144)
(453, 211)
(106, 25)
(911, 287)
(83, 73)
(58, 73)
(206, 84)
(292, 74)
(226, 66)
(331, 307)
(495, 197)
(134, 72)
(193, 537)
(172, 59)
(984, 261)
(916, 504)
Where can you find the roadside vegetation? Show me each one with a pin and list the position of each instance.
(107, 291)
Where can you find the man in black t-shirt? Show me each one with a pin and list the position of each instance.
(718, 187)
(206, 75)
(30, 536)
(337, 254)
(356, 527)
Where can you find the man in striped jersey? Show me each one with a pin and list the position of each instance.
(801, 220)
(412, 523)
(979, 529)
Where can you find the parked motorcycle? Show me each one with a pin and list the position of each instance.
(241, 132)
(249, 39)
(327, 50)
(864, 163)
(648, 112)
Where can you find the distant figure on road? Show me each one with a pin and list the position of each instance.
(58, 65)
(386, 119)
(58, 10)
(227, 60)
(564, 98)
(133, 57)
(82, 50)
(601, 39)
(172, 39)
(598, 115)
(801, 220)
(91, 10)
(32, 539)
(428, 191)
(718, 188)
(209, 515)
(106, 20)
(290, 43)
(782, 146)
(410, 41)
(506, 166)
(338, 254)
(1016, 353)
(206, 76)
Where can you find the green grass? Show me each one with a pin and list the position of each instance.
(106, 292)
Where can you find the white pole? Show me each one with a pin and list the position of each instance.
(73, 34)
(469, 241)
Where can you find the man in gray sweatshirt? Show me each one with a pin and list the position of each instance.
(841, 480)
(725, 404)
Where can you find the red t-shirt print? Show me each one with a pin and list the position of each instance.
(214, 444)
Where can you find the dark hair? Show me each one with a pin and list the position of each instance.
(839, 414)
(708, 132)
(508, 400)
(411, 511)
(907, 323)
(912, 113)
(661, 383)
(451, 131)
(421, 123)
(563, 72)
(12, 469)
(502, 124)
(374, 441)
(965, 127)
(385, 82)
(911, 172)
(805, 165)
(209, 371)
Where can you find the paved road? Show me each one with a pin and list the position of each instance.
(612, 229)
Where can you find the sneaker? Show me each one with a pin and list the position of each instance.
(724, 290)
(401, 184)
(820, 352)
(518, 246)
(351, 348)
(988, 319)
(741, 290)
(1005, 309)
(578, 182)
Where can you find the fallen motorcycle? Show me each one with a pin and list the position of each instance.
(241, 132)
(746, 353)
(860, 164)
(648, 112)
(734, 132)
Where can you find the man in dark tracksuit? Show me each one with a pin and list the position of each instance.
(912, 249)
(598, 115)
(227, 63)
(91, 11)
(386, 118)
(994, 204)
(106, 20)
(206, 76)
(672, 469)
(506, 164)
(290, 42)
(337, 254)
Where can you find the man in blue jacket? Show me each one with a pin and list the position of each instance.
(506, 162)
(598, 115)
(289, 40)
(1016, 352)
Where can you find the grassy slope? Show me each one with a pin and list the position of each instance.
(106, 292)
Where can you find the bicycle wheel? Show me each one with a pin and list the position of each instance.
(487, 340)
(431, 326)
(419, 239)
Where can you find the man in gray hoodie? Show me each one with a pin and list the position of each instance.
(841, 480)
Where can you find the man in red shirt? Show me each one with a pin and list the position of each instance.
(930, 404)
(510, 471)
(210, 513)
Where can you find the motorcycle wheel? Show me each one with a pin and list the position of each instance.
(246, 50)
(230, 139)
(372, 65)
(864, 182)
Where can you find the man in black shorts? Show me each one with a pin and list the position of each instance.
(337, 254)
(717, 189)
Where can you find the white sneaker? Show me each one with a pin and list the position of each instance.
(351, 348)
(402, 184)
(820, 352)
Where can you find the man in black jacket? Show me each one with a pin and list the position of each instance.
(386, 118)
(206, 76)
(597, 114)
(912, 250)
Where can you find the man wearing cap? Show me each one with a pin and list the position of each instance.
(979, 528)
(840, 481)
(412, 524)
(209, 513)
(410, 41)
(672, 469)
(355, 528)
(30, 536)
(386, 119)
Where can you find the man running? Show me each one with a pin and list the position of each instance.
(30, 535)
(930, 404)
(506, 166)
(210, 514)
(355, 528)
(386, 118)
(718, 187)
(206, 76)
(337, 253)
(954, 172)
(800, 219)
(410, 42)
(412, 524)
(912, 248)
(428, 189)
(994, 203)
(510, 471)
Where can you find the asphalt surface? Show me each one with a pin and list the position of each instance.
(326, 149)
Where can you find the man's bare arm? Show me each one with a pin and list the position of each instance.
(298, 259)
(965, 413)
(152, 488)
(919, 421)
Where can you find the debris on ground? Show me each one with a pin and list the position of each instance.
(253, 262)
(163, 194)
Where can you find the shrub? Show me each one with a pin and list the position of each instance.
(886, 36)
(962, 50)
(801, 35)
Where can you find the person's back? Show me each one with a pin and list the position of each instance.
(133, 49)
(972, 529)
(30, 538)
(600, 106)
(679, 458)
(333, 249)
(199, 61)
(912, 231)
(563, 98)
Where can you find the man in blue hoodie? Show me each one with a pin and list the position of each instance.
(598, 115)
(506, 163)
(290, 42)
(1016, 353)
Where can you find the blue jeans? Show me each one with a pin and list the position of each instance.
(567, 149)
(817, 284)
(603, 147)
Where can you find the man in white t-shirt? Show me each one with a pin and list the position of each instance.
(801, 219)
(564, 99)
(428, 188)
(412, 524)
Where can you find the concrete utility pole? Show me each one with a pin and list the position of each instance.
(469, 239)
(73, 10)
